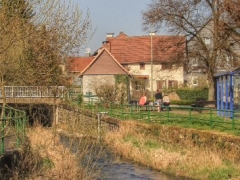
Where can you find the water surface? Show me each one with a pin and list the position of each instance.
(112, 167)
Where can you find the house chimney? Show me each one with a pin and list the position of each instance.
(110, 35)
(99, 50)
(87, 52)
(152, 33)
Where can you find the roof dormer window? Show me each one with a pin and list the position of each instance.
(194, 62)
(195, 82)
(207, 40)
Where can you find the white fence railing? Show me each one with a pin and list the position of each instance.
(33, 91)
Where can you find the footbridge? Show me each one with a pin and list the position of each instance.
(32, 94)
(25, 104)
(37, 101)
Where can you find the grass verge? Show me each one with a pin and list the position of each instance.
(132, 144)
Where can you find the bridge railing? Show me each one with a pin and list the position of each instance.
(12, 128)
(33, 91)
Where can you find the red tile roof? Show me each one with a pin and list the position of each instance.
(78, 64)
(137, 49)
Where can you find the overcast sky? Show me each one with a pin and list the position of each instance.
(113, 16)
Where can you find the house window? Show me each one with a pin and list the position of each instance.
(166, 66)
(207, 40)
(172, 84)
(138, 84)
(142, 66)
(161, 84)
(194, 62)
(229, 59)
(137, 87)
(195, 82)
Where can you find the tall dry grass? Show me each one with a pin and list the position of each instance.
(132, 144)
(57, 162)
(59, 153)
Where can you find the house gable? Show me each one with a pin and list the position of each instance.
(104, 64)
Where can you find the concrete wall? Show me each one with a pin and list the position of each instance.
(91, 82)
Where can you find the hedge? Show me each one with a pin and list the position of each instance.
(192, 94)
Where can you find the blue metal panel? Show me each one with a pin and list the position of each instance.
(225, 91)
(218, 95)
(231, 96)
(227, 103)
(222, 94)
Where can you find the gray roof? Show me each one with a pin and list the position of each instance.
(231, 71)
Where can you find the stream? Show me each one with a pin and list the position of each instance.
(119, 169)
(111, 167)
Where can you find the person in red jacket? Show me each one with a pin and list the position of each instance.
(143, 100)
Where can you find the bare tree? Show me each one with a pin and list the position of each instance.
(61, 31)
(66, 24)
(200, 20)
(233, 15)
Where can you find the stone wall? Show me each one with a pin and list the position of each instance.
(70, 115)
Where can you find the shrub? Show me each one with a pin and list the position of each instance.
(192, 94)
(79, 99)
(106, 92)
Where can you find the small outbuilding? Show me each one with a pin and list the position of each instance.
(228, 92)
(101, 71)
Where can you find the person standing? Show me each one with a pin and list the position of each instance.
(158, 98)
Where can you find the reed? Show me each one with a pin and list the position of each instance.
(61, 152)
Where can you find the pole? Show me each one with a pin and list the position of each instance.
(151, 67)
(100, 115)
(99, 123)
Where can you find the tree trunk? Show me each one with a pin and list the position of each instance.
(211, 90)
(3, 97)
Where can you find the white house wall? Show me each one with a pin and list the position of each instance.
(158, 74)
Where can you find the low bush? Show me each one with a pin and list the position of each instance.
(192, 94)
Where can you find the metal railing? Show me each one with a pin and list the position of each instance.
(12, 130)
(170, 114)
(33, 91)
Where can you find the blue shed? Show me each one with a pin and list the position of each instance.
(227, 93)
